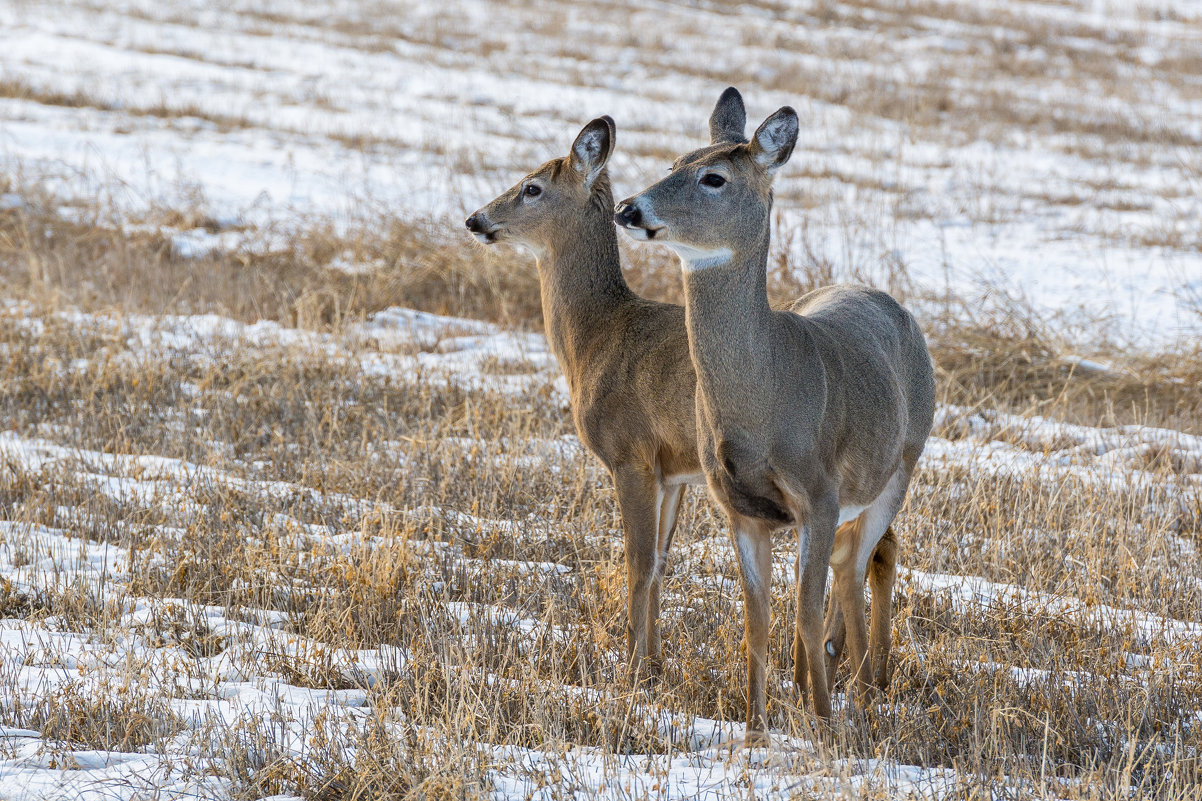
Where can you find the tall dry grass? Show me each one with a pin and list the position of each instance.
(1008, 692)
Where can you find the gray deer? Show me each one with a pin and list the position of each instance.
(808, 418)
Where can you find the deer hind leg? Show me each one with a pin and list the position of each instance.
(801, 671)
(848, 594)
(882, 572)
(670, 498)
(884, 558)
(850, 562)
(753, 544)
(638, 501)
(834, 630)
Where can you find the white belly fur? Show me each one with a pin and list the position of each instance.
(850, 513)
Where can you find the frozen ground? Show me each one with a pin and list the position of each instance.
(217, 670)
(1042, 151)
(996, 150)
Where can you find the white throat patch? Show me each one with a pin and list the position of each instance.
(693, 260)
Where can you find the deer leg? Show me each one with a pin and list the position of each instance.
(849, 589)
(812, 594)
(801, 672)
(882, 572)
(753, 543)
(834, 635)
(869, 531)
(638, 503)
(669, 507)
(834, 631)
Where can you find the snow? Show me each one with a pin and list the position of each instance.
(993, 442)
(427, 112)
(715, 771)
(236, 685)
(977, 592)
(272, 115)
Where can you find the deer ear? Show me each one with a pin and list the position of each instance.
(592, 149)
(773, 141)
(728, 119)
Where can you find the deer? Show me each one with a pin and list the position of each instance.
(810, 418)
(626, 358)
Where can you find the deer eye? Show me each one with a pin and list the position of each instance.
(713, 179)
(532, 190)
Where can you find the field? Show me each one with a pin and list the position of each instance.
(291, 502)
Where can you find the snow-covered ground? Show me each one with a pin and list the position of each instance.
(1041, 151)
(168, 643)
(1044, 151)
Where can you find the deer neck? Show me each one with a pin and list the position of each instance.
(729, 321)
(582, 287)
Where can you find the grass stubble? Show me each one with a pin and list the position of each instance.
(411, 495)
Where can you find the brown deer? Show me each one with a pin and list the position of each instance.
(807, 418)
(626, 358)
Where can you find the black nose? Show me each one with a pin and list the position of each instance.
(627, 214)
(473, 223)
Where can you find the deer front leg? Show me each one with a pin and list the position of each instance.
(882, 572)
(834, 635)
(811, 594)
(753, 543)
(849, 585)
(638, 504)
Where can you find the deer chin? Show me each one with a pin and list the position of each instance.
(642, 233)
(487, 237)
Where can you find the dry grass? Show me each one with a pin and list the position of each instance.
(380, 458)
(432, 266)
(412, 264)
(373, 762)
(125, 718)
(408, 521)
(1000, 364)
